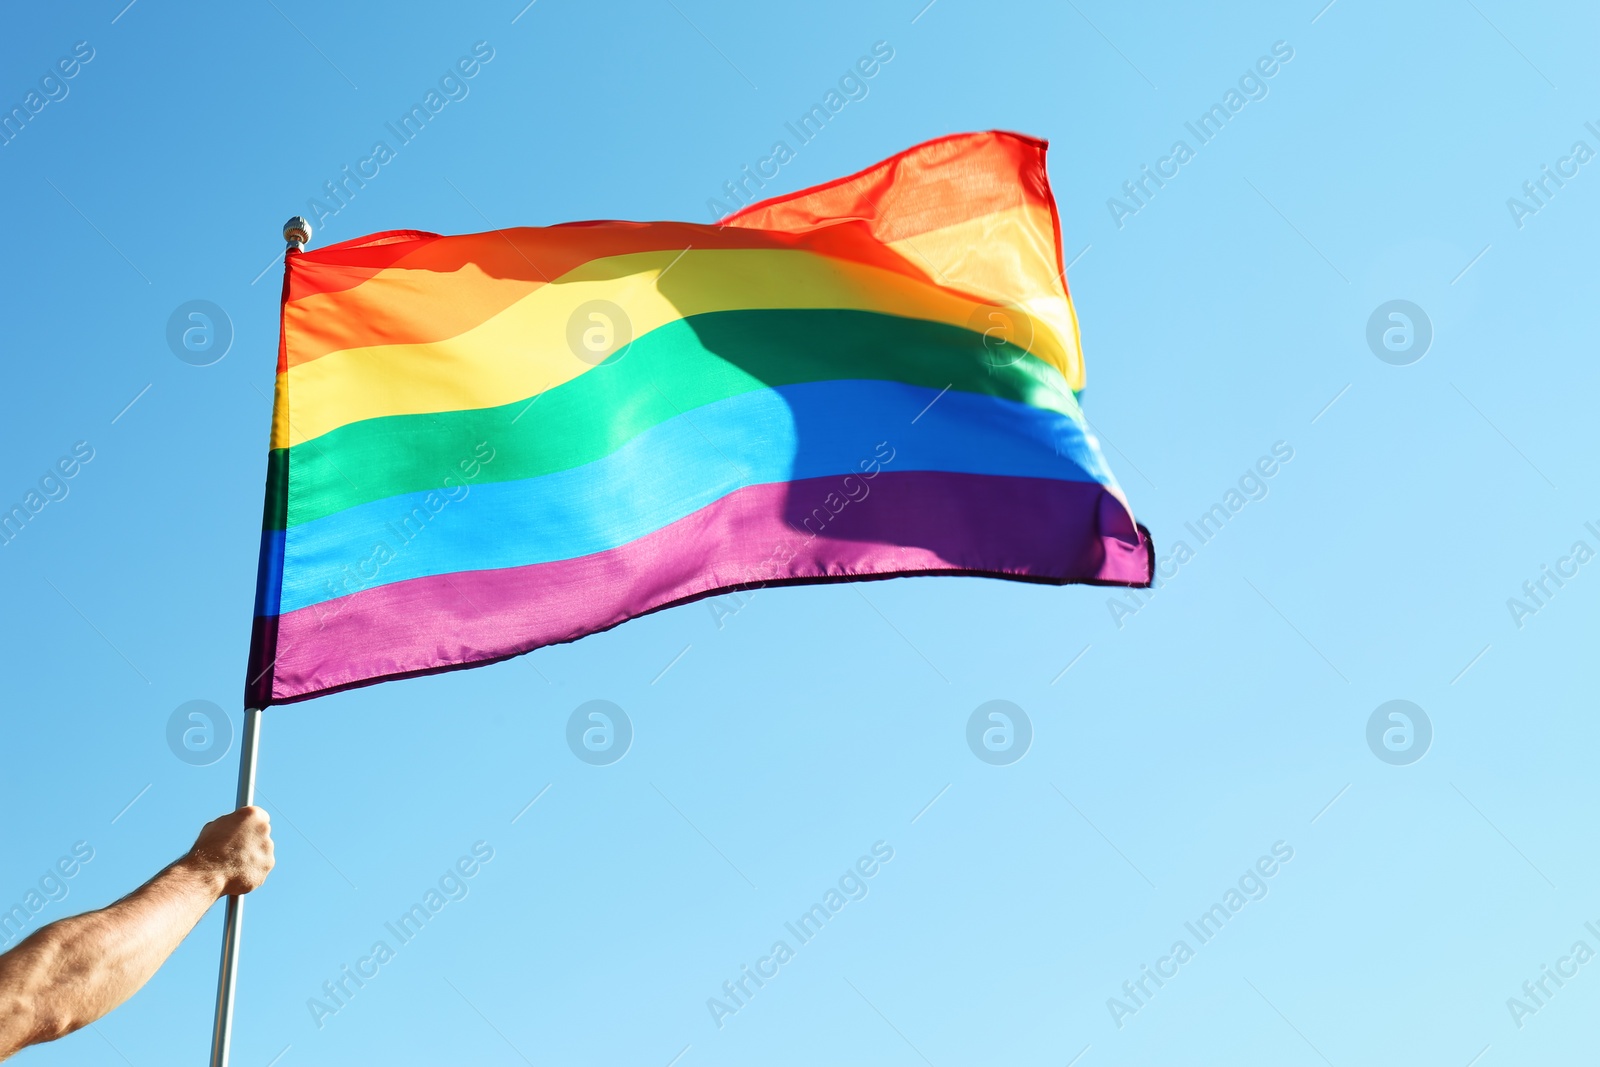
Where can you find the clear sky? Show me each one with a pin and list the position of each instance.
(1423, 468)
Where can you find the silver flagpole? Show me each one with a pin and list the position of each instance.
(233, 923)
(296, 233)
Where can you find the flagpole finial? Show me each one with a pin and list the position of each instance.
(297, 231)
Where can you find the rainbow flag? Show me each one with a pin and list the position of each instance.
(489, 443)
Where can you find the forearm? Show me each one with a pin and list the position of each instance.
(70, 973)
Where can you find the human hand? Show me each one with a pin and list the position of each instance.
(235, 850)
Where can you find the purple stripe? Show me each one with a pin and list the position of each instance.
(904, 523)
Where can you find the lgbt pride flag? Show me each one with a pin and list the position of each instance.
(489, 443)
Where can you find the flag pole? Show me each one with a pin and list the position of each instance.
(233, 922)
(296, 235)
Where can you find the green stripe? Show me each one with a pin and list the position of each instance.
(668, 371)
(277, 503)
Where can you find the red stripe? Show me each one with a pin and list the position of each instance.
(927, 187)
(908, 523)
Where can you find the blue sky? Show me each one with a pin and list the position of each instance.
(772, 748)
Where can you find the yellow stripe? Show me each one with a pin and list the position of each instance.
(1008, 257)
(524, 350)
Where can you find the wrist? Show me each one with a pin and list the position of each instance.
(200, 873)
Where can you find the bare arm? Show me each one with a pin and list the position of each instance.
(68, 974)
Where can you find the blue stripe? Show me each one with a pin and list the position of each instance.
(269, 575)
(812, 430)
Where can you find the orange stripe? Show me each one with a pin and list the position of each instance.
(449, 285)
(408, 287)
